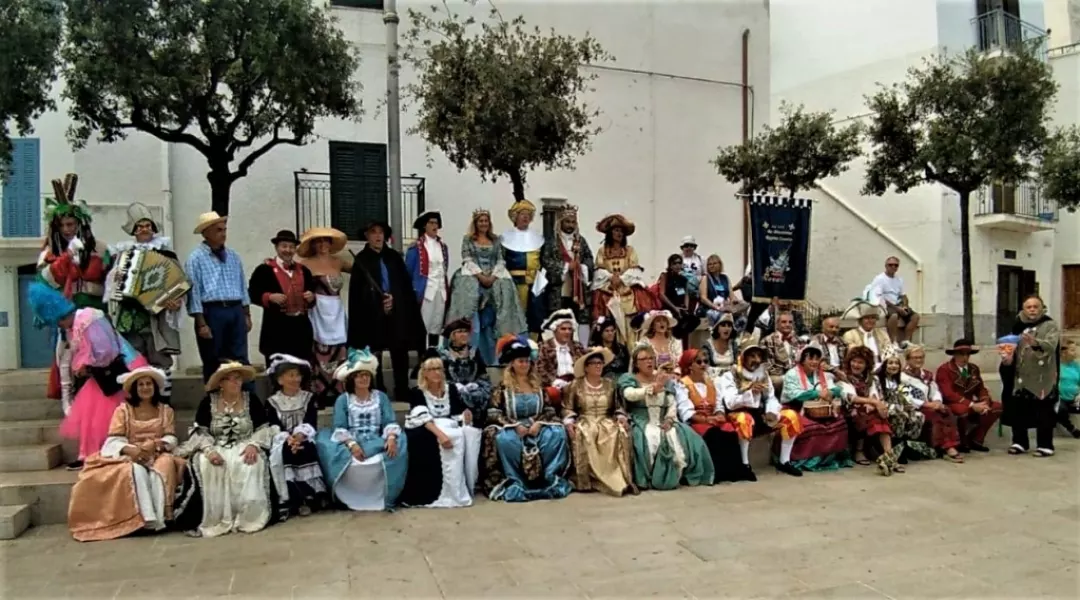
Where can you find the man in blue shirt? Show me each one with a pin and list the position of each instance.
(218, 300)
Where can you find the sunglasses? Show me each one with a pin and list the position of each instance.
(701, 362)
(892, 264)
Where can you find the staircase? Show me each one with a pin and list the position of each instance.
(35, 486)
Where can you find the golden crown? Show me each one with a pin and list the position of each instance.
(480, 211)
(568, 210)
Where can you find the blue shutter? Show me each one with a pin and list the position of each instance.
(22, 191)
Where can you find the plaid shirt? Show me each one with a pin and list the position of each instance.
(781, 358)
(213, 280)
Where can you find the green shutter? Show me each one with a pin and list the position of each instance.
(22, 190)
(358, 186)
(377, 4)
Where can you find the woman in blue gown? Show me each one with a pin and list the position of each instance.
(526, 447)
(363, 456)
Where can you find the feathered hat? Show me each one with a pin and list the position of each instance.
(280, 360)
(49, 305)
(355, 362)
(557, 318)
(511, 347)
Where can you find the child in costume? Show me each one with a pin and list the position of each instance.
(97, 353)
(72, 262)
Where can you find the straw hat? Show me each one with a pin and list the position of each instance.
(127, 380)
(208, 219)
(338, 240)
(247, 372)
(612, 221)
(579, 364)
(658, 314)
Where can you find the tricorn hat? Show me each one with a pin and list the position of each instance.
(421, 222)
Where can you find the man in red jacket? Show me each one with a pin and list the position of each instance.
(965, 394)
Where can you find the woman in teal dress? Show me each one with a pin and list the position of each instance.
(666, 451)
(482, 290)
(363, 456)
(524, 432)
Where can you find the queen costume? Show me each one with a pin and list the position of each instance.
(116, 496)
(373, 482)
(235, 495)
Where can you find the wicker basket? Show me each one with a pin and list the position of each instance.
(818, 409)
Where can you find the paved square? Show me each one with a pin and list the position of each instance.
(998, 526)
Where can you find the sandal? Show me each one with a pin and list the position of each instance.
(860, 459)
(955, 457)
(895, 464)
(1017, 449)
(1043, 452)
(883, 465)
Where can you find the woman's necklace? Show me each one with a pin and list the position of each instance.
(594, 388)
(230, 406)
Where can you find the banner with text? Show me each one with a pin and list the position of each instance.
(780, 246)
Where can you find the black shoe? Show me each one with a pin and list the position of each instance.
(963, 449)
(75, 465)
(789, 469)
(977, 447)
(1075, 433)
(748, 474)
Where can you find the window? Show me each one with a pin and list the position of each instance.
(375, 4)
(358, 185)
(21, 204)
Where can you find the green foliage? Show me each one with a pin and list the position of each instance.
(503, 99)
(960, 121)
(29, 39)
(1059, 173)
(803, 149)
(222, 76)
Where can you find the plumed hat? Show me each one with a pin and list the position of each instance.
(355, 362)
(49, 305)
(512, 347)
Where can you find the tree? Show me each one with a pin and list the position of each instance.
(803, 149)
(1059, 170)
(28, 46)
(504, 100)
(222, 76)
(961, 121)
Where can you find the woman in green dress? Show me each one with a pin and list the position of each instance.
(666, 451)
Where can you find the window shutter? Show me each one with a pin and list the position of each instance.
(22, 191)
(358, 186)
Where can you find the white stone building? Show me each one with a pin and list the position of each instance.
(1013, 230)
(674, 94)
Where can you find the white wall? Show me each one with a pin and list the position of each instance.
(1067, 112)
(651, 161)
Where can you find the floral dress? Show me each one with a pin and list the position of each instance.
(905, 419)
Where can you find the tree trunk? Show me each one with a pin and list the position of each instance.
(220, 186)
(965, 265)
(518, 180)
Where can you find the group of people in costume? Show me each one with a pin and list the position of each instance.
(634, 409)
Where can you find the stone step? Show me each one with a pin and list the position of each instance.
(14, 520)
(32, 457)
(46, 492)
(30, 409)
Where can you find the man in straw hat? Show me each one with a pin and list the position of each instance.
(868, 333)
(383, 311)
(218, 300)
(155, 336)
(428, 261)
(568, 268)
(285, 290)
(521, 252)
(964, 392)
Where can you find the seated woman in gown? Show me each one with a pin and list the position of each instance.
(444, 447)
(699, 407)
(598, 428)
(293, 458)
(482, 291)
(905, 418)
(941, 431)
(666, 451)
(130, 485)
(364, 455)
(865, 409)
(605, 334)
(226, 450)
(466, 369)
(811, 444)
(525, 445)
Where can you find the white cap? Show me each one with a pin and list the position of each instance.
(688, 241)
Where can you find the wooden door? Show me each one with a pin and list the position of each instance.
(1070, 296)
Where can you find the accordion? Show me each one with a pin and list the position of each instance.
(150, 278)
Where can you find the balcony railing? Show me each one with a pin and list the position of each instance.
(314, 209)
(999, 31)
(1023, 200)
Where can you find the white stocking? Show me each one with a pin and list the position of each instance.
(785, 450)
(744, 447)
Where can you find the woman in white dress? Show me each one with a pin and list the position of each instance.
(444, 447)
(227, 453)
(364, 455)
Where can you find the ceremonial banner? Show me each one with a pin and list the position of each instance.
(780, 246)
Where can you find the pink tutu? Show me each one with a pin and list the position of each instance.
(91, 413)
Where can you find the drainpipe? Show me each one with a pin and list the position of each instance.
(745, 132)
(165, 177)
(876, 228)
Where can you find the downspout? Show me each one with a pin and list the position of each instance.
(876, 228)
(166, 190)
(745, 132)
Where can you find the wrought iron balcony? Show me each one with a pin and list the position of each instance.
(317, 206)
(998, 31)
(1020, 208)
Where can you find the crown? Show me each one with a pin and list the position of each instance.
(481, 211)
(568, 210)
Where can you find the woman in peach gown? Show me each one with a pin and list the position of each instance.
(131, 483)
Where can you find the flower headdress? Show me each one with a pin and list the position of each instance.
(64, 204)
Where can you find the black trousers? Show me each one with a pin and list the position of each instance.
(399, 361)
(1045, 420)
(756, 310)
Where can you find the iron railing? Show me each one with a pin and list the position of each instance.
(1023, 200)
(313, 208)
(1000, 31)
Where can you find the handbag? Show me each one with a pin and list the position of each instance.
(530, 461)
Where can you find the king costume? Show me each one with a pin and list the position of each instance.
(568, 267)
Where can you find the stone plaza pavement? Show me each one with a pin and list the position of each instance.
(998, 526)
